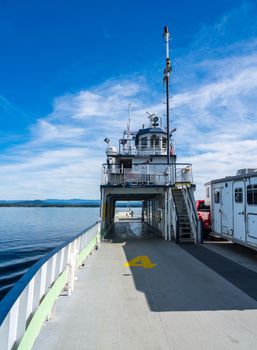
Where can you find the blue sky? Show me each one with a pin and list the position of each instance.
(69, 69)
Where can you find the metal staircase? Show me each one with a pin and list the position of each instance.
(185, 230)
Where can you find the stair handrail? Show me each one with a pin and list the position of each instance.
(175, 219)
(183, 173)
(29, 303)
(191, 208)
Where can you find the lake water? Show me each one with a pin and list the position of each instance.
(26, 234)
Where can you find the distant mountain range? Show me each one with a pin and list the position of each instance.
(60, 203)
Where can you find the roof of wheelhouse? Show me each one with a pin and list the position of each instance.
(149, 131)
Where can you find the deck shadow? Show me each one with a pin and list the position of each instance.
(240, 276)
(186, 277)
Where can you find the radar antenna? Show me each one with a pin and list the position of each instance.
(153, 118)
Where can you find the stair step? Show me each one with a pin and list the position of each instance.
(186, 240)
(186, 235)
(185, 230)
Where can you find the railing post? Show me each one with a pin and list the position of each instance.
(72, 258)
(98, 237)
(4, 332)
(30, 296)
(200, 231)
(13, 324)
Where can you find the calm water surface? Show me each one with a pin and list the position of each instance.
(26, 234)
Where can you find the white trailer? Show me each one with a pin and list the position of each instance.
(233, 202)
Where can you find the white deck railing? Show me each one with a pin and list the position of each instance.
(143, 151)
(146, 174)
(29, 303)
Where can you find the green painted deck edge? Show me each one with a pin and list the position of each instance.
(87, 250)
(42, 312)
(46, 305)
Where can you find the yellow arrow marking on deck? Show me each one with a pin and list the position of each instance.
(141, 261)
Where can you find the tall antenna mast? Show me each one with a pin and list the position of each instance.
(167, 72)
(129, 121)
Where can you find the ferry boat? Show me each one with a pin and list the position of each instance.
(145, 168)
(136, 288)
(138, 170)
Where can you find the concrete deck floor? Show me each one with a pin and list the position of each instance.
(195, 298)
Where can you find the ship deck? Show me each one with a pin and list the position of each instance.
(196, 297)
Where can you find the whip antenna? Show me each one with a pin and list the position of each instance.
(166, 78)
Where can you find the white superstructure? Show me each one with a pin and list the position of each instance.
(145, 169)
(139, 171)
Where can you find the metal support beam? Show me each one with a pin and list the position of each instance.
(169, 213)
(165, 217)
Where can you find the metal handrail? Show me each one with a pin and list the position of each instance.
(52, 272)
(193, 206)
(193, 214)
(156, 164)
(175, 220)
(147, 173)
(186, 170)
(131, 151)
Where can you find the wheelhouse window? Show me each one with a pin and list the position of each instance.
(164, 142)
(238, 195)
(217, 196)
(207, 192)
(126, 163)
(143, 142)
(155, 142)
(252, 194)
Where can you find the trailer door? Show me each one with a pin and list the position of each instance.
(217, 206)
(252, 212)
(226, 209)
(239, 210)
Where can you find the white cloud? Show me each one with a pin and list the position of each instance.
(217, 125)
(111, 97)
(64, 155)
(216, 131)
(45, 131)
(214, 109)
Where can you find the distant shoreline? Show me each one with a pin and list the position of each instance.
(63, 203)
(20, 205)
(50, 205)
